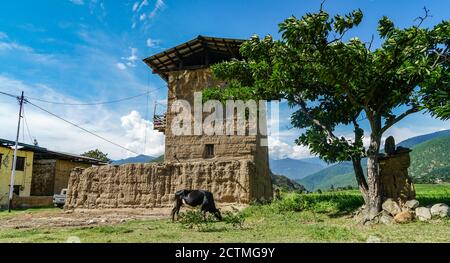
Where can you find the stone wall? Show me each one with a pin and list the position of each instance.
(154, 185)
(395, 181)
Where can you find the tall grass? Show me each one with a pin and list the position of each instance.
(330, 203)
(343, 202)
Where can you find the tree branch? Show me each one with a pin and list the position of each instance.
(388, 125)
(423, 18)
(315, 121)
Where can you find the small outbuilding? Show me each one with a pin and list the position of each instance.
(40, 173)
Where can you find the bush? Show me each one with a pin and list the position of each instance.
(235, 219)
(195, 220)
(291, 202)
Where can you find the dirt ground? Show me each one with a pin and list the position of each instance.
(61, 218)
(50, 218)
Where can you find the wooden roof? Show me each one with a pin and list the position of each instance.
(196, 53)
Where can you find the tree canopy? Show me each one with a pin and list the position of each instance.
(331, 81)
(97, 154)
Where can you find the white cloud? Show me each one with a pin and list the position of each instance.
(129, 130)
(121, 66)
(143, 3)
(131, 60)
(158, 6)
(20, 51)
(135, 6)
(142, 136)
(152, 43)
(77, 2)
(280, 150)
(143, 12)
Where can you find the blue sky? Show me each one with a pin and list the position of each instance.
(91, 50)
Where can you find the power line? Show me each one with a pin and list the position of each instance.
(81, 128)
(26, 125)
(96, 103)
(10, 95)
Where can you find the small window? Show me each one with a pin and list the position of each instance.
(16, 189)
(209, 151)
(20, 164)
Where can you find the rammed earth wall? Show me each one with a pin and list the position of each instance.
(154, 185)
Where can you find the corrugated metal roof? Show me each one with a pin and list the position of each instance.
(174, 58)
(44, 153)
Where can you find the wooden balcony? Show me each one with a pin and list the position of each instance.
(159, 123)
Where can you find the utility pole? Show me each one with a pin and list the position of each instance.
(13, 172)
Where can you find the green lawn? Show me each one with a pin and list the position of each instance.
(306, 218)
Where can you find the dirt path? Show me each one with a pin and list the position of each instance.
(60, 218)
(50, 218)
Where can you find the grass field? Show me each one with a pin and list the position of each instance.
(296, 218)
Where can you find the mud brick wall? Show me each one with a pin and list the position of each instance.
(43, 178)
(154, 185)
(32, 201)
(395, 181)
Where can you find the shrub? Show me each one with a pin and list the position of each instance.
(291, 202)
(236, 218)
(195, 220)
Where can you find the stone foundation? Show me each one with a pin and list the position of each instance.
(154, 185)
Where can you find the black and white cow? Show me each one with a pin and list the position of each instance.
(196, 198)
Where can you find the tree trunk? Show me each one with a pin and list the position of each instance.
(360, 179)
(373, 176)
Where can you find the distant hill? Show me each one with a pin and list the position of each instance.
(159, 159)
(286, 184)
(430, 162)
(411, 142)
(295, 169)
(136, 159)
(337, 175)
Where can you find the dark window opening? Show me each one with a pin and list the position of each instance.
(1, 160)
(16, 189)
(209, 151)
(20, 164)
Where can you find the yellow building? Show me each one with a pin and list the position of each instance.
(40, 173)
(24, 172)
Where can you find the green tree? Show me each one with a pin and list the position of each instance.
(333, 82)
(97, 154)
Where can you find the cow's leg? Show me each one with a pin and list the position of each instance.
(176, 208)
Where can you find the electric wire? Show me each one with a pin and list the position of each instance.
(27, 127)
(7, 94)
(95, 103)
(83, 129)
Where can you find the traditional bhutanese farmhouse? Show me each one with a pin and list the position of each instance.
(233, 166)
(40, 173)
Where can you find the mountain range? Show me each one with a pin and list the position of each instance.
(430, 163)
(296, 169)
(137, 159)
